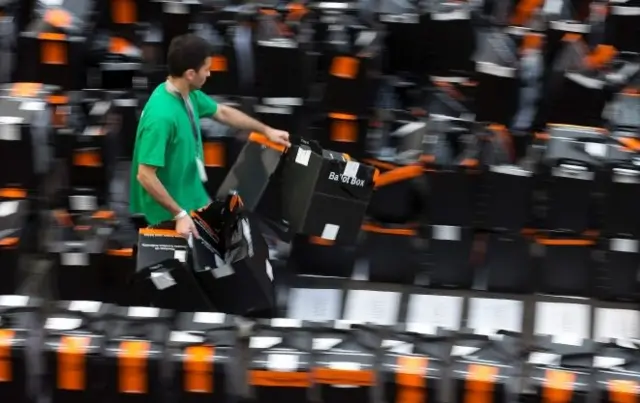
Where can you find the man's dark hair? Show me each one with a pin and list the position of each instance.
(186, 52)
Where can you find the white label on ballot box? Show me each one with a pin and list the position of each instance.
(175, 7)
(83, 203)
(568, 323)
(14, 300)
(180, 255)
(488, 315)
(62, 323)
(264, 342)
(330, 232)
(378, 307)
(325, 343)
(351, 169)
(282, 362)
(286, 322)
(51, 3)
(9, 131)
(9, 208)
(303, 156)
(442, 311)
(32, 106)
(143, 312)
(162, 281)
(74, 259)
(185, 337)
(209, 317)
(620, 324)
(314, 304)
(85, 306)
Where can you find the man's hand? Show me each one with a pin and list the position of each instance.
(278, 136)
(185, 227)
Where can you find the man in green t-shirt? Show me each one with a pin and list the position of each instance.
(167, 170)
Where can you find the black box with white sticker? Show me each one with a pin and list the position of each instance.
(616, 371)
(414, 363)
(77, 246)
(134, 354)
(280, 361)
(202, 354)
(164, 277)
(325, 193)
(346, 355)
(18, 338)
(13, 219)
(25, 128)
(237, 277)
(73, 347)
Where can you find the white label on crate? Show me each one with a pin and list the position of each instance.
(269, 269)
(435, 310)
(11, 120)
(493, 69)
(83, 203)
(404, 18)
(544, 359)
(14, 300)
(32, 106)
(51, 3)
(275, 110)
(596, 149)
(185, 337)
(99, 108)
(620, 324)
(162, 281)
(9, 208)
(283, 43)
(285, 101)
(317, 305)
(126, 103)
(378, 307)
(74, 259)
(330, 5)
(446, 233)
(302, 156)
(209, 317)
(345, 366)
(325, 343)
(264, 342)
(85, 306)
(351, 169)
(180, 255)
(175, 7)
(625, 11)
(397, 346)
(567, 322)
(421, 328)
(510, 170)
(286, 322)
(62, 323)
(569, 26)
(451, 16)
(488, 315)
(624, 245)
(608, 362)
(462, 351)
(143, 312)
(330, 232)
(9, 132)
(587, 82)
(282, 362)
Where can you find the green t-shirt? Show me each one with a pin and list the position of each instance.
(165, 140)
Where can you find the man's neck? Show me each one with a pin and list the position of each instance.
(180, 85)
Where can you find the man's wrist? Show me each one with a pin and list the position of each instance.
(181, 214)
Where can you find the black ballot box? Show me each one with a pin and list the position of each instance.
(164, 277)
(414, 364)
(232, 264)
(345, 354)
(253, 171)
(203, 358)
(313, 255)
(616, 372)
(25, 131)
(617, 273)
(13, 242)
(19, 346)
(325, 193)
(72, 353)
(133, 354)
(280, 366)
(77, 245)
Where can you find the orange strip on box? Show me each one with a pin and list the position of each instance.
(198, 369)
(132, 369)
(6, 340)
(71, 363)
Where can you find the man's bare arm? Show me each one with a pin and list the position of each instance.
(234, 118)
(150, 182)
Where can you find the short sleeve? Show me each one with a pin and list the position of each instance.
(206, 106)
(152, 141)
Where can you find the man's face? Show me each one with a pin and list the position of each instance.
(197, 78)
